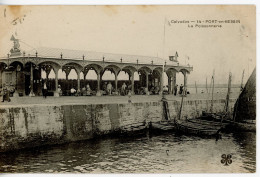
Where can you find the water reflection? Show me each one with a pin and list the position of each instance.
(165, 153)
(247, 143)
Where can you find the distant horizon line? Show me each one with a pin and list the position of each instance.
(216, 85)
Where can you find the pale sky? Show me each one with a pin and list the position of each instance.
(139, 30)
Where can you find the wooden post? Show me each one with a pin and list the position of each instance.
(179, 116)
(196, 87)
(185, 83)
(213, 77)
(207, 85)
(228, 93)
(241, 87)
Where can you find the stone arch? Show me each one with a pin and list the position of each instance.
(113, 68)
(27, 62)
(171, 77)
(78, 69)
(184, 71)
(157, 73)
(54, 65)
(73, 65)
(171, 70)
(3, 65)
(51, 63)
(96, 67)
(129, 69)
(3, 62)
(32, 78)
(146, 69)
(16, 63)
(158, 69)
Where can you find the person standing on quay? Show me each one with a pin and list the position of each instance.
(175, 89)
(124, 89)
(181, 89)
(109, 88)
(105, 88)
(45, 90)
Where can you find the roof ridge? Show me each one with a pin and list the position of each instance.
(76, 50)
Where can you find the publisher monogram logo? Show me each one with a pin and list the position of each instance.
(226, 159)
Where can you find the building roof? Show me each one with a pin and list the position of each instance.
(95, 56)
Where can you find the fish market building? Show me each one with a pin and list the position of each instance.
(22, 71)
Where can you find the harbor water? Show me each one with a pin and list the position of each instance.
(223, 90)
(146, 153)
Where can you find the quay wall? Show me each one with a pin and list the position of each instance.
(29, 126)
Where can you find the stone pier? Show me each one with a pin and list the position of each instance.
(36, 125)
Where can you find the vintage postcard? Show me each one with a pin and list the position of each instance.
(128, 89)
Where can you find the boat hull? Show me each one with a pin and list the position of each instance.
(162, 126)
(200, 128)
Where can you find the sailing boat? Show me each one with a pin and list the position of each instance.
(207, 125)
(244, 116)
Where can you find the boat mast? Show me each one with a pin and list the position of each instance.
(181, 105)
(241, 87)
(207, 92)
(207, 84)
(228, 93)
(162, 81)
(196, 87)
(213, 77)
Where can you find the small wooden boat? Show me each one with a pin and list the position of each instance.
(199, 128)
(208, 125)
(207, 122)
(215, 117)
(165, 124)
(134, 129)
(162, 126)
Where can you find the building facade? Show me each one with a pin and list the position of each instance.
(21, 71)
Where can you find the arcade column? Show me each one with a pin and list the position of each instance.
(56, 93)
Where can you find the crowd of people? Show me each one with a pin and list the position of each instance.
(6, 92)
(6, 95)
(107, 89)
(182, 90)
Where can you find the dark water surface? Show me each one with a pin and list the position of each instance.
(164, 153)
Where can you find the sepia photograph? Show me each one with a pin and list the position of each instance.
(119, 89)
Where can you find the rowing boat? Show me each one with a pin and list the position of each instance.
(162, 126)
(199, 127)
